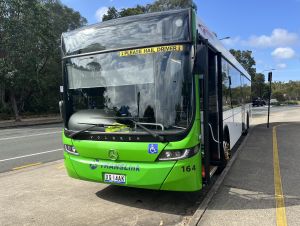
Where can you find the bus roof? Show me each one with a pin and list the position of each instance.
(132, 31)
(217, 44)
(126, 19)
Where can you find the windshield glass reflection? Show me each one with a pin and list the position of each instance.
(153, 88)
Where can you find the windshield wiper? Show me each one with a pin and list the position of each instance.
(155, 135)
(93, 125)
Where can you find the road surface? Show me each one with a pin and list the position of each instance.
(24, 146)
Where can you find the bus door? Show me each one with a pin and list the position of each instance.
(211, 108)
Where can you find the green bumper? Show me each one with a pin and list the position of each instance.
(183, 175)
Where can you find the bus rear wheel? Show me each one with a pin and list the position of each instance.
(226, 147)
(245, 131)
(226, 150)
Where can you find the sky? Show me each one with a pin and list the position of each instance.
(269, 28)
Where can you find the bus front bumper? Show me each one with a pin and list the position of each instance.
(183, 175)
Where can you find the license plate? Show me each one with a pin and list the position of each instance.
(114, 178)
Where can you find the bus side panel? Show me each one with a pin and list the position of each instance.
(69, 166)
(232, 119)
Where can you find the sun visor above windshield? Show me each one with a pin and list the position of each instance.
(126, 32)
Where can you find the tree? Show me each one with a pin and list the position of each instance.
(112, 13)
(258, 86)
(278, 95)
(132, 11)
(163, 5)
(245, 58)
(289, 90)
(30, 37)
(158, 5)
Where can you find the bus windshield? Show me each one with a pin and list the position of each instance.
(152, 85)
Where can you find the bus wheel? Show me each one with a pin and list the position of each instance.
(226, 147)
(248, 123)
(246, 127)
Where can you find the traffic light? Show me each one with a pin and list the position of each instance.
(270, 76)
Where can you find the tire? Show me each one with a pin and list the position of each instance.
(226, 150)
(245, 132)
(226, 146)
(248, 122)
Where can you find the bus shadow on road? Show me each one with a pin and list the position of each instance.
(179, 203)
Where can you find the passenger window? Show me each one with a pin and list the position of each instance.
(225, 86)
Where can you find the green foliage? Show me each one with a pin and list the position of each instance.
(258, 86)
(132, 11)
(159, 5)
(112, 13)
(163, 5)
(246, 59)
(30, 57)
(278, 95)
(291, 102)
(286, 91)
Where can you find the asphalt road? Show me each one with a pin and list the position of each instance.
(25, 146)
(263, 110)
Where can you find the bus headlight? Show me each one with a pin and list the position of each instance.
(70, 149)
(168, 155)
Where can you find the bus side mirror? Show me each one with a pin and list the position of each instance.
(229, 78)
(61, 107)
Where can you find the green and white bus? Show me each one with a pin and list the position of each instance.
(151, 101)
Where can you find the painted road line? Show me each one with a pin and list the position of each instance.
(32, 135)
(24, 156)
(61, 166)
(280, 206)
(30, 128)
(28, 165)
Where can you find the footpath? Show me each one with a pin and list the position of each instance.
(261, 186)
(30, 122)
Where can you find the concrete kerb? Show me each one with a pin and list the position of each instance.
(43, 165)
(195, 219)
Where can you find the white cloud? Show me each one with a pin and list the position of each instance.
(283, 53)
(100, 12)
(281, 66)
(279, 37)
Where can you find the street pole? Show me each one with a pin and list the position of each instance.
(270, 91)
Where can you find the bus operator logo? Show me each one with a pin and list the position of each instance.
(113, 154)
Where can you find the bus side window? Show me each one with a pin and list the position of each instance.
(226, 86)
(236, 92)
